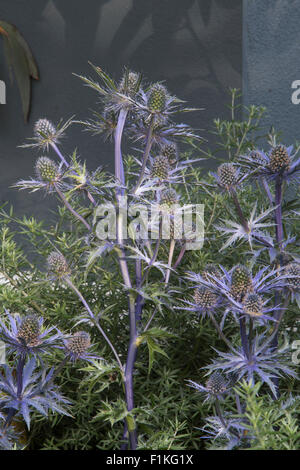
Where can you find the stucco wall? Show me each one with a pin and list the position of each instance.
(195, 45)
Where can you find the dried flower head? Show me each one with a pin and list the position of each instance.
(57, 264)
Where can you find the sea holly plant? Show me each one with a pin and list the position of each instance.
(256, 295)
(127, 231)
(27, 382)
(148, 257)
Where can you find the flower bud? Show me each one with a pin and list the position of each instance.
(157, 98)
(241, 282)
(78, 344)
(160, 168)
(227, 175)
(44, 129)
(57, 264)
(47, 170)
(253, 304)
(216, 384)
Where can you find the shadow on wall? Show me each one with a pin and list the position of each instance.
(195, 45)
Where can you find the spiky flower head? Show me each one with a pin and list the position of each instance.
(47, 170)
(279, 159)
(241, 281)
(129, 83)
(292, 271)
(78, 344)
(29, 330)
(160, 168)
(169, 197)
(216, 384)
(205, 298)
(227, 175)
(258, 157)
(170, 151)
(57, 264)
(45, 129)
(157, 98)
(211, 270)
(253, 304)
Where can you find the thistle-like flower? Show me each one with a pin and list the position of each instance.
(47, 134)
(264, 364)
(168, 199)
(27, 335)
(241, 282)
(130, 83)
(170, 151)
(160, 168)
(77, 346)
(279, 161)
(217, 385)
(205, 302)
(48, 175)
(57, 265)
(157, 98)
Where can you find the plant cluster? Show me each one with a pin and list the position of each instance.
(136, 290)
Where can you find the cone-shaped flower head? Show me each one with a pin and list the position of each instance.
(44, 128)
(241, 281)
(157, 98)
(29, 330)
(227, 175)
(292, 270)
(205, 298)
(170, 151)
(47, 170)
(216, 384)
(211, 270)
(57, 264)
(78, 344)
(160, 168)
(129, 83)
(253, 304)
(169, 197)
(279, 159)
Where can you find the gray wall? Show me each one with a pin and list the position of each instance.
(195, 45)
(271, 46)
